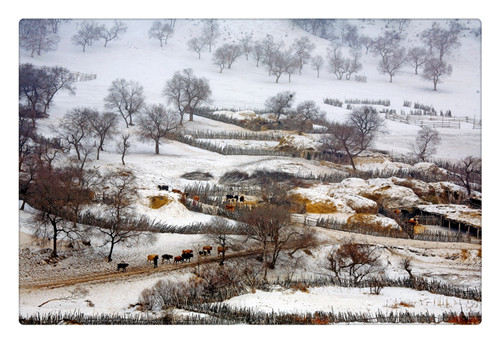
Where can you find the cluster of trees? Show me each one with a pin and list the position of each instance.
(39, 35)
(301, 118)
(39, 85)
(355, 135)
(271, 53)
(90, 32)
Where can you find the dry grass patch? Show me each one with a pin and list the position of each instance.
(157, 201)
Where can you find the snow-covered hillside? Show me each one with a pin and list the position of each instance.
(245, 86)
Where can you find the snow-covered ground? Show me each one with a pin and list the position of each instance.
(246, 87)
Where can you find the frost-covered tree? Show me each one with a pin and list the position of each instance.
(113, 32)
(441, 41)
(225, 55)
(86, 34)
(391, 64)
(161, 31)
(435, 69)
(317, 63)
(416, 57)
(246, 44)
(210, 32)
(197, 44)
(303, 48)
(36, 35)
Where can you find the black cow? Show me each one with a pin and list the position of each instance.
(165, 257)
(203, 253)
(229, 197)
(155, 261)
(163, 188)
(242, 198)
(187, 256)
(122, 266)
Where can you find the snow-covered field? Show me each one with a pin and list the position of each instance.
(246, 87)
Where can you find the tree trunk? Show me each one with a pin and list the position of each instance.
(111, 251)
(54, 239)
(157, 147)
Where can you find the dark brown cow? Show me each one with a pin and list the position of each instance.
(122, 266)
(177, 259)
(188, 251)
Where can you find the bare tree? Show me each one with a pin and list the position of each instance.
(353, 65)
(366, 42)
(368, 123)
(118, 228)
(258, 52)
(210, 32)
(317, 63)
(51, 194)
(108, 34)
(392, 63)
(280, 103)
(74, 128)
(353, 260)
(226, 54)
(32, 82)
(57, 79)
(102, 126)
(356, 134)
(468, 171)
(303, 48)
(87, 34)
(267, 224)
(280, 62)
(123, 145)
(35, 35)
(426, 143)
(306, 114)
(435, 70)
(246, 44)
(197, 44)
(441, 40)
(269, 49)
(125, 97)
(161, 31)
(336, 63)
(416, 57)
(219, 231)
(407, 264)
(156, 123)
(386, 44)
(186, 92)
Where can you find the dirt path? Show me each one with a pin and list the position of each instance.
(132, 272)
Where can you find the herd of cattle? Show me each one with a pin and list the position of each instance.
(186, 255)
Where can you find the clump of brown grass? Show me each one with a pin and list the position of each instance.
(464, 320)
(300, 287)
(401, 304)
(157, 201)
(324, 206)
